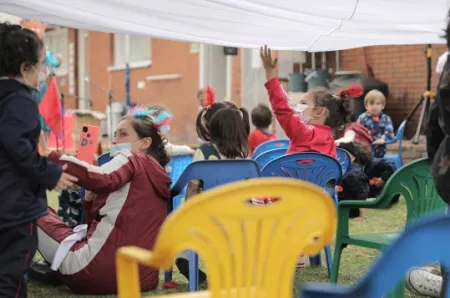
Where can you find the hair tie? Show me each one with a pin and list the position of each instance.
(352, 91)
(160, 121)
(210, 97)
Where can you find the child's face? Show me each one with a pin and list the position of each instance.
(317, 115)
(125, 133)
(374, 108)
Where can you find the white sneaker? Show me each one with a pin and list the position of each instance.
(421, 282)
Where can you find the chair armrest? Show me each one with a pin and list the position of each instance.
(392, 141)
(127, 259)
(135, 254)
(373, 204)
(324, 290)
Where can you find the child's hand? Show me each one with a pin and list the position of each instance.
(379, 142)
(269, 63)
(89, 196)
(65, 181)
(192, 152)
(379, 182)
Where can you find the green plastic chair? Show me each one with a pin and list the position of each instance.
(415, 183)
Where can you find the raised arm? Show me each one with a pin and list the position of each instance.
(291, 124)
(97, 179)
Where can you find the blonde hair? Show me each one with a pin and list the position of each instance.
(373, 96)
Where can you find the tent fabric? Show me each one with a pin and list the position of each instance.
(309, 25)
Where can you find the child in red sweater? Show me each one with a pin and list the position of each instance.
(261, 119)
(309, 126)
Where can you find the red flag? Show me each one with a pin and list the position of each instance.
(50, 108)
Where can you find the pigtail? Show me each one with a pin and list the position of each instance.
(246, 119)
(200, 125)
(345, 104)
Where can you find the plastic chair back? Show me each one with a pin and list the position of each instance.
(416, 184)
(269, 145)
(246, 248)
(268, 156)
(102, 159)
(344, 159)
(175, 168)
(320, 169)
(422, 244)
(217, 172)
(397, 158)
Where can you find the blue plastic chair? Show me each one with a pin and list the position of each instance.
(266, 157)
(344, 159)
(320, 169)
(421, 244)
(397, 158)
(213, 173)
(269, 145)
(175, 168)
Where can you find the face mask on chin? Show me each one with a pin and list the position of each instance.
(41, 78)
(300, 112)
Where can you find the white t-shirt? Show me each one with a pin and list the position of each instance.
(441, 62)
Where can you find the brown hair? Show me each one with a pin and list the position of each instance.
(206, 114)
(145, 128)
(340, 108)
(261, 116)
(373, 96)
(229, 130)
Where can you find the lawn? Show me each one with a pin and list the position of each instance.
(354, 264)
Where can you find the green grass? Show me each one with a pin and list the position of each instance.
(354, 264)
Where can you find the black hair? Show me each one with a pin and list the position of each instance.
(360, 152)
(261, 116)
(17, 46)
(447, 31)
(229, 132)
(340, 107)
(205, 115)
(145, 128)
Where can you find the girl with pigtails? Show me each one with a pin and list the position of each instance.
(127, 206)
(225, 128)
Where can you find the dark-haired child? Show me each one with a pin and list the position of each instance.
(226, 128)
(355, 132)
(366, 176)
(261, 119)
(24, 174)
(309, 126)
(378, 123)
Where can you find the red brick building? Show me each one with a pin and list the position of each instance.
(171, 72)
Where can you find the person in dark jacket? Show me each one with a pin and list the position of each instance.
(24, 174)
(366, 176)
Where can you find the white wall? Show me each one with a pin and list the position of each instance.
(253, 79)
(214, 69)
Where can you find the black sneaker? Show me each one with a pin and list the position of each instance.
(41, 272)
(183, 267)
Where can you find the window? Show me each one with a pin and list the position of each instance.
(58, 41)
(132, 49)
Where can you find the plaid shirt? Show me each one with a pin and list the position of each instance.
(378, 127)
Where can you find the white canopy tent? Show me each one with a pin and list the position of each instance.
(308, 25)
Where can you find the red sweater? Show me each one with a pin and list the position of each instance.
(303, 137)
(257, 137)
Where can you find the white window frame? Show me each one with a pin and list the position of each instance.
(63, 34)
(117, 66)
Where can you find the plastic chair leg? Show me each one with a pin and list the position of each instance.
(168, 276)
(336, 262)
(193, 271)
(315, 260)
(329, 259)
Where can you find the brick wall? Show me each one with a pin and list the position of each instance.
(403, 68)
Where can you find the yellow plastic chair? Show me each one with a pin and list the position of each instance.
(249, 250)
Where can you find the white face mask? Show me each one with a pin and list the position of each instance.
(115, 148)
(41, 78)
(300, 112)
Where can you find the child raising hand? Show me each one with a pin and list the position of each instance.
(309, 126)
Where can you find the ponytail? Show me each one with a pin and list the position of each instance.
(246, 119)
(205, 115)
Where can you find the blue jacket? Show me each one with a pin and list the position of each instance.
(24, 174)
